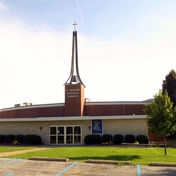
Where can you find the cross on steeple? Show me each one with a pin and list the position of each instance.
(74, 24)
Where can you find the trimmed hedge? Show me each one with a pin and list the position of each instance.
(27, 139)
(32, 139)
(20, 138)
(142, 139)
(9, 138)
(129, 138)
(2, 139)
(118, 139)
(106, 138)
(92, 139)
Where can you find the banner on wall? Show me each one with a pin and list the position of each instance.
(96, 126)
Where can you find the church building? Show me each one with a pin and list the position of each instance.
(68, 123)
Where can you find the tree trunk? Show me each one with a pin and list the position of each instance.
(165, 152)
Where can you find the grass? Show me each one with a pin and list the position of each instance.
(13, 148)
(83, 153)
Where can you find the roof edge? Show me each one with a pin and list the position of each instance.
(72, 118)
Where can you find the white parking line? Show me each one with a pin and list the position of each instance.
(58, 174)
(138, 170)
(10, 173)
(9, 162)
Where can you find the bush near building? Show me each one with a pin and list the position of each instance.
(9, 138)
(142, 139)
(92, 139)
(32, 139)
(106, 138)
(130, 138)
(2, 139)
(20, 139)
(118, 139)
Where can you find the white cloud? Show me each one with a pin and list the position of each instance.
(31, 63)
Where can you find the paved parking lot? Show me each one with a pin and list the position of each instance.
(20, 167)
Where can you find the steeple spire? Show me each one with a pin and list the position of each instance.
(74, 77)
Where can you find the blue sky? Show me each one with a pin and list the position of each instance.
(126, 48)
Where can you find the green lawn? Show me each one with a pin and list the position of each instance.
(83, 153)
(13, 148)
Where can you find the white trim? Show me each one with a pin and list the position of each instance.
(117, 103)
(80, 118)
(33, 106)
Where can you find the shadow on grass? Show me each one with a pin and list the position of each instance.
(114, 157)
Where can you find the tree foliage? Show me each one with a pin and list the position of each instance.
(169, 85)
(161, 115)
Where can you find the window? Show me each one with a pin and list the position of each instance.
(65, 135)
(52, 135)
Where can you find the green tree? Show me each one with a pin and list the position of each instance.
(169, 85)
(161, 116)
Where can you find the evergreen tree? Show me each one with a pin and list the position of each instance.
(169, 85)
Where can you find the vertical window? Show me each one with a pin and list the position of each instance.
(69, 135)
(60, 135)
(77, 134)
(52, 135)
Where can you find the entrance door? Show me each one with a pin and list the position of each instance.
(65, 134)
(69, 134)
(61, 134)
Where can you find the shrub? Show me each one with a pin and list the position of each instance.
(142, 139)
(129, 138)
(118, 139)
(92, 139)
(9, 138)
(15, 142)
(27, 139)
(31, 139)
(107, 138)
(19, 138)
(2, 139)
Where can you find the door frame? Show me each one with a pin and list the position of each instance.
(65, 134)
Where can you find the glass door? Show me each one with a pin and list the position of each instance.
(77, 134)
(61, 134)
(65, 134)
(69, 134)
